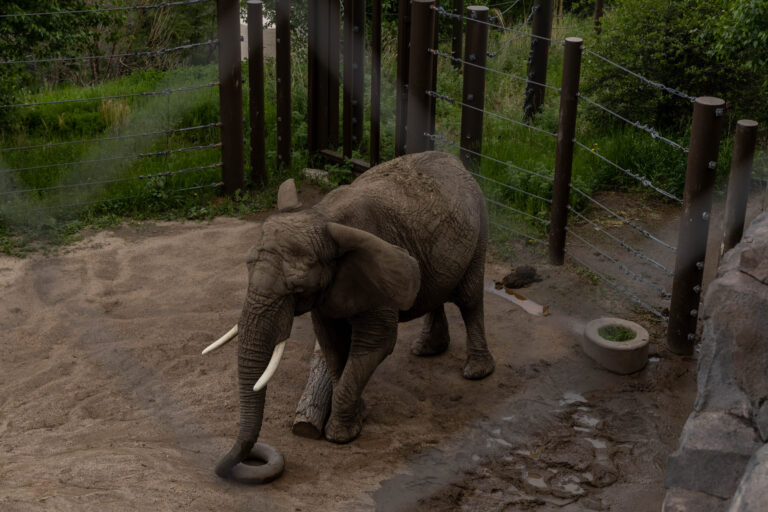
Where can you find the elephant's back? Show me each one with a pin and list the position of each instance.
(428, 204)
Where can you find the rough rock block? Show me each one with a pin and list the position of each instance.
(714, 451)
(753, 490)
(683, 500)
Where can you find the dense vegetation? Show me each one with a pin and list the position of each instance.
(713, 48)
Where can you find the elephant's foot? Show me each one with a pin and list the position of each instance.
(479, 366)
(435, 338)
(342, 431)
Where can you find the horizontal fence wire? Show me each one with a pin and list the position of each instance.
(496, 71)
(114, 158)
(99, 201)
(490, 113)
(643, 79)
(509, 41)
(634, 275)
(445, 140)
(644, 127)
(640, 178)
(622, 243)
(624, 220)
(443, 12)
(107, 9)
(116, 180)
(640, 302)
(518, 233)
(116, 137)
(515, 210)
(162, 51)
(117, 96)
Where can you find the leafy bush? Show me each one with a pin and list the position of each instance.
(716, 48)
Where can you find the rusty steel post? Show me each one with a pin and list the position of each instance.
(256, 90)
(420, 76)
(334, 64)
(283, 72)
(230, 95)
(473, 89)
(566, 129)
(541, 27)
(312, 76)
(694, 223)
(401, 100)
(458, 9)
(738, 183)
(374, 150)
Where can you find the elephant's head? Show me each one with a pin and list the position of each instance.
(299, 260)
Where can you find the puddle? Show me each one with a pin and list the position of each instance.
(535, 480)
(570, 397)
(596, 443)
(527, 305)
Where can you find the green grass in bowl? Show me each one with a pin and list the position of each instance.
(616, 333)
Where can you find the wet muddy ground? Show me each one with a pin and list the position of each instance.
(106, 403)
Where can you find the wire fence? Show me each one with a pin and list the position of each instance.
(154, 151)
(598, 244)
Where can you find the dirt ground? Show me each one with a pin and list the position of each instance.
(107, 404)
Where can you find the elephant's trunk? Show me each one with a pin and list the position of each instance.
(261, 328)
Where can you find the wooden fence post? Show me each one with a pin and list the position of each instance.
(230, 95)
(256, 90)
(597, 15)
(354, 73)
(561, 188)
(694, 223)
(283, 72)
(420, 76)
(374, 150)
(541, 28)
(458, 9)
(473, 90)
(738, 183)
(401, 100)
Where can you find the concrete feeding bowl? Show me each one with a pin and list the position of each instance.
(621, 357)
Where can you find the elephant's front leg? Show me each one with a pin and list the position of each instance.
(374, 334)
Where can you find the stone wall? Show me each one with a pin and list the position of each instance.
(721, 463)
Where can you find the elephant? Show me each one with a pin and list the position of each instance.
(400, 241)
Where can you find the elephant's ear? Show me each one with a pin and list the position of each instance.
(371, 272)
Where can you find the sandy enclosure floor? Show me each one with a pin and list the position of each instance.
(106, 403)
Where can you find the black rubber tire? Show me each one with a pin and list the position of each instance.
(273, 467)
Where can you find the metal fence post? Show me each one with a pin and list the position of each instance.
(256, 91)
(283, 72)
(738, 183)
(541, 28)
(561, 188)
(694, 223)
(401, 100)
(230, 95)
(420, 76)
(458, 9)
(473, 90)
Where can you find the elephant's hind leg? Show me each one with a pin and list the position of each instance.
(468, 296)
(434, 338)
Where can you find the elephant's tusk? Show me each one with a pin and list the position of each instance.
(271, 367)
(221, 341)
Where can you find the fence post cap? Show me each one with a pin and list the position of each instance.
(574, 40)
(747, 123)
(710, 101)
(254, 2)
(477, 8)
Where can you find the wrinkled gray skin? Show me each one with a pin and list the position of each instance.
(400, 241)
